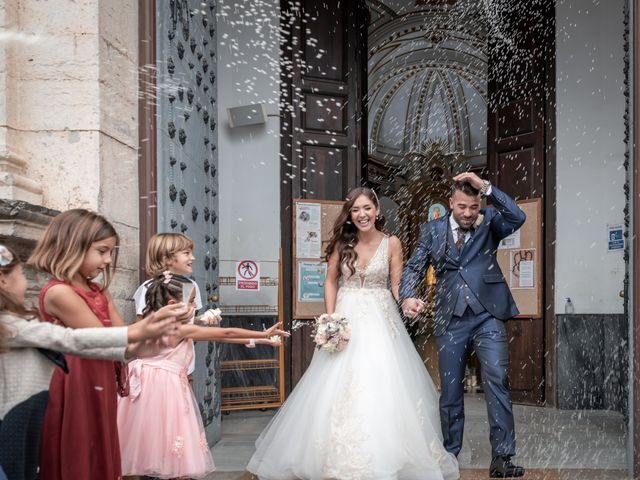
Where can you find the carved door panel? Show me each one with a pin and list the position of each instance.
(520, 121)
(323, 80)
(187, 162)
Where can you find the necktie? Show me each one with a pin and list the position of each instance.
(460, 240)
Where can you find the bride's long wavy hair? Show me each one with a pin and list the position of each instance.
(345, 234)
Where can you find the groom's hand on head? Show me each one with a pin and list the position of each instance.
(412, 307)
(471, 178)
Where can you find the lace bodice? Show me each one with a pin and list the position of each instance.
(375, 274)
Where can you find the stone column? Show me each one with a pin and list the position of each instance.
(14, 183)
(68, 114)
(118, 138)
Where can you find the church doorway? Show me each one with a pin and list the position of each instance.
(440, 102)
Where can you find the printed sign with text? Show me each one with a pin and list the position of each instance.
(248, 275)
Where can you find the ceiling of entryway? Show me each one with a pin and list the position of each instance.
(427, 78)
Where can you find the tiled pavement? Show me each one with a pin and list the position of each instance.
(552, 444)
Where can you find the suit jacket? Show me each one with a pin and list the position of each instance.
(476, 265)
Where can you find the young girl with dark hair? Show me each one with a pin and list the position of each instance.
(176, 446)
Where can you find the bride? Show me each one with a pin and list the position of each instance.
(370, 411)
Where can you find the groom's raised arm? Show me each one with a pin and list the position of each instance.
(509, 217)
(416, 267)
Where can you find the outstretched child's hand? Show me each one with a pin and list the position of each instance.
(274, 341)
(276, 330)
(162, 322)
(172, 310)
(211, 317)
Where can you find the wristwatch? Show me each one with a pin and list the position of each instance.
(486, 185)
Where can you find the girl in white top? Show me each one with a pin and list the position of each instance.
(172, 252)
(167, 251)
(29, 352)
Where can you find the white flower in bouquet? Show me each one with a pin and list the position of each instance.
(331, 332)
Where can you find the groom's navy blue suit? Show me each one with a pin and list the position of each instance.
(472, 303)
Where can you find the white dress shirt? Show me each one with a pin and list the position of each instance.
(455, 227)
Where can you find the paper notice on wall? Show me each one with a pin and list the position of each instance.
(311, 277)
(522, 268)
(526, 274)
(512, 241)
(308, 241)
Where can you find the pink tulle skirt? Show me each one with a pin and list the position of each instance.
(159, 424)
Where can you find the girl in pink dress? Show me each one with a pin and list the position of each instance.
(160, 428)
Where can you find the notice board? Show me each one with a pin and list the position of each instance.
(520, 259)
(312, 228)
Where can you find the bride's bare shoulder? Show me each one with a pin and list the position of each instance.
(394, 243)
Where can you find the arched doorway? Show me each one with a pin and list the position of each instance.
(436, 78)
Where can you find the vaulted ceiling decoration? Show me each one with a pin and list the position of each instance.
(427, 79)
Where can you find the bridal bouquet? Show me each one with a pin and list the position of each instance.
(331, 332)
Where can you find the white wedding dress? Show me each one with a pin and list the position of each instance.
(368, 412)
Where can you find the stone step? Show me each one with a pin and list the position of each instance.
(482, 474)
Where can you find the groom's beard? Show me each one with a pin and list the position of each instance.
(464, 222)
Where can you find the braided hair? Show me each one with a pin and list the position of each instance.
(164, 286)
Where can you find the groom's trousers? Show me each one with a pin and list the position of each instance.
(489, 339)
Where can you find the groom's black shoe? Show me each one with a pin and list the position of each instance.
(501, 467)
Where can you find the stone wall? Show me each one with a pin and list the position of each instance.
(68, 114)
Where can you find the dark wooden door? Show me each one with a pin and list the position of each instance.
(521, 155)
(322, 116)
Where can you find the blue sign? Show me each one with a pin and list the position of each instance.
(615, 239)
(311, 276)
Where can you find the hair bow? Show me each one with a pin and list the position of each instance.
(6, 257)
(167, 276)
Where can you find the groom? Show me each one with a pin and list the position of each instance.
(472, 303)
